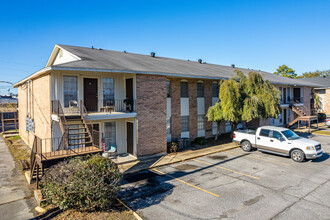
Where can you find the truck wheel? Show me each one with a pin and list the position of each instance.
(246, 146)
(297, 156)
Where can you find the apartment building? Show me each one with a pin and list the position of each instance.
(135, 102)
(322, 89)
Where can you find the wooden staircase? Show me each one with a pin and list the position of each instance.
(77, 139)
(78, 134)
(298, 110)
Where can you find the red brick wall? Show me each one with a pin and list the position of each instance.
(192, 87)
(175, 109)
(151, 114)
(208, 103)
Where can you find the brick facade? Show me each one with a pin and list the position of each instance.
(175, 109)
(208, 103)
(192, 87)
(151, 114)
(38, 105)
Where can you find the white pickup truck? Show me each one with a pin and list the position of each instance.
(280, 141)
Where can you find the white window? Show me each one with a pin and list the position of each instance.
(200, 122)
(200, 89)
(168, 87)
(184, 89)
(168, 125)
(108, 91)
(109, 134)
(215, 90)
(184, 123)
(70, 89)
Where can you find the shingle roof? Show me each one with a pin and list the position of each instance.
(322, 82)
(115, 61)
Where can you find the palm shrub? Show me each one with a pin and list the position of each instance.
(82, 183)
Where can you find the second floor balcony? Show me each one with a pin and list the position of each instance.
(97, 109)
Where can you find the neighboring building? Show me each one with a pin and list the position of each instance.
(322, 88)
(153, 100)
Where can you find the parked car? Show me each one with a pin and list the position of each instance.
(327, 121)
(280, 141)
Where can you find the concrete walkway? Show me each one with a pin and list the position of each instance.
(16, 198)
(172, 158)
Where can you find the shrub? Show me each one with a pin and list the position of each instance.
(82, 183)
(321, 117)
(172, 147)
(200, 141)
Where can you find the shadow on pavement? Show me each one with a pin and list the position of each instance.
(148, 188)
(324, 157)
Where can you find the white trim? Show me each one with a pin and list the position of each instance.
(54, 53)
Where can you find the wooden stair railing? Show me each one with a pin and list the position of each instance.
(87, 121)
(36, 164)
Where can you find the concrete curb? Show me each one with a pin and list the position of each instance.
(182, 160)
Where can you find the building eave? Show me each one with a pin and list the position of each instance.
(33, 75)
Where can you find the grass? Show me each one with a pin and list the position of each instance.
(322, 132)
(18, 149)
(118, 212)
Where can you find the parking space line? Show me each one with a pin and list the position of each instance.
(189, 184)
(134, 213)
(231, 152)
(224, 168)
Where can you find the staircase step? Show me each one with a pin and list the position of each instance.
(79, 138)
(79, 128)
(81, 143)
(78, 133)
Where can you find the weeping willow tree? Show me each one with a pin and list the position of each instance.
(245, 98)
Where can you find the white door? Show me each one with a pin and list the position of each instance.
(278, 143)
(263, 139)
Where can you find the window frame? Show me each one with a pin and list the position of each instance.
(261, 130)
(200, 89)
(168, 89)
(112, 99)
(184, 93)
(201, 122)
(66, 102)
(185, 123)
(215, 90)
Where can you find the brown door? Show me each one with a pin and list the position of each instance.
(296, 94)
(284, 117)
(129, 88)
(129, 128)
(284, 95)
(90, 94)
(129, 95)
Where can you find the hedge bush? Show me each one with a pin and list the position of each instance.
(82, 183)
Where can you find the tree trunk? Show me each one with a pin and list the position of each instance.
(233, 128)
(218, 130)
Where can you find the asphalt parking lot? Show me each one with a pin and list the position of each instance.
(233, 184)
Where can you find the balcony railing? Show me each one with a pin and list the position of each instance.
(112, 105)
(289, 100)
(96, 105)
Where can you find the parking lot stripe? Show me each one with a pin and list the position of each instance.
(134, 213)
(224, 168)
(231, 152)
(196, 187)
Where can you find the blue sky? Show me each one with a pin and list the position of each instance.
(253, 34)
